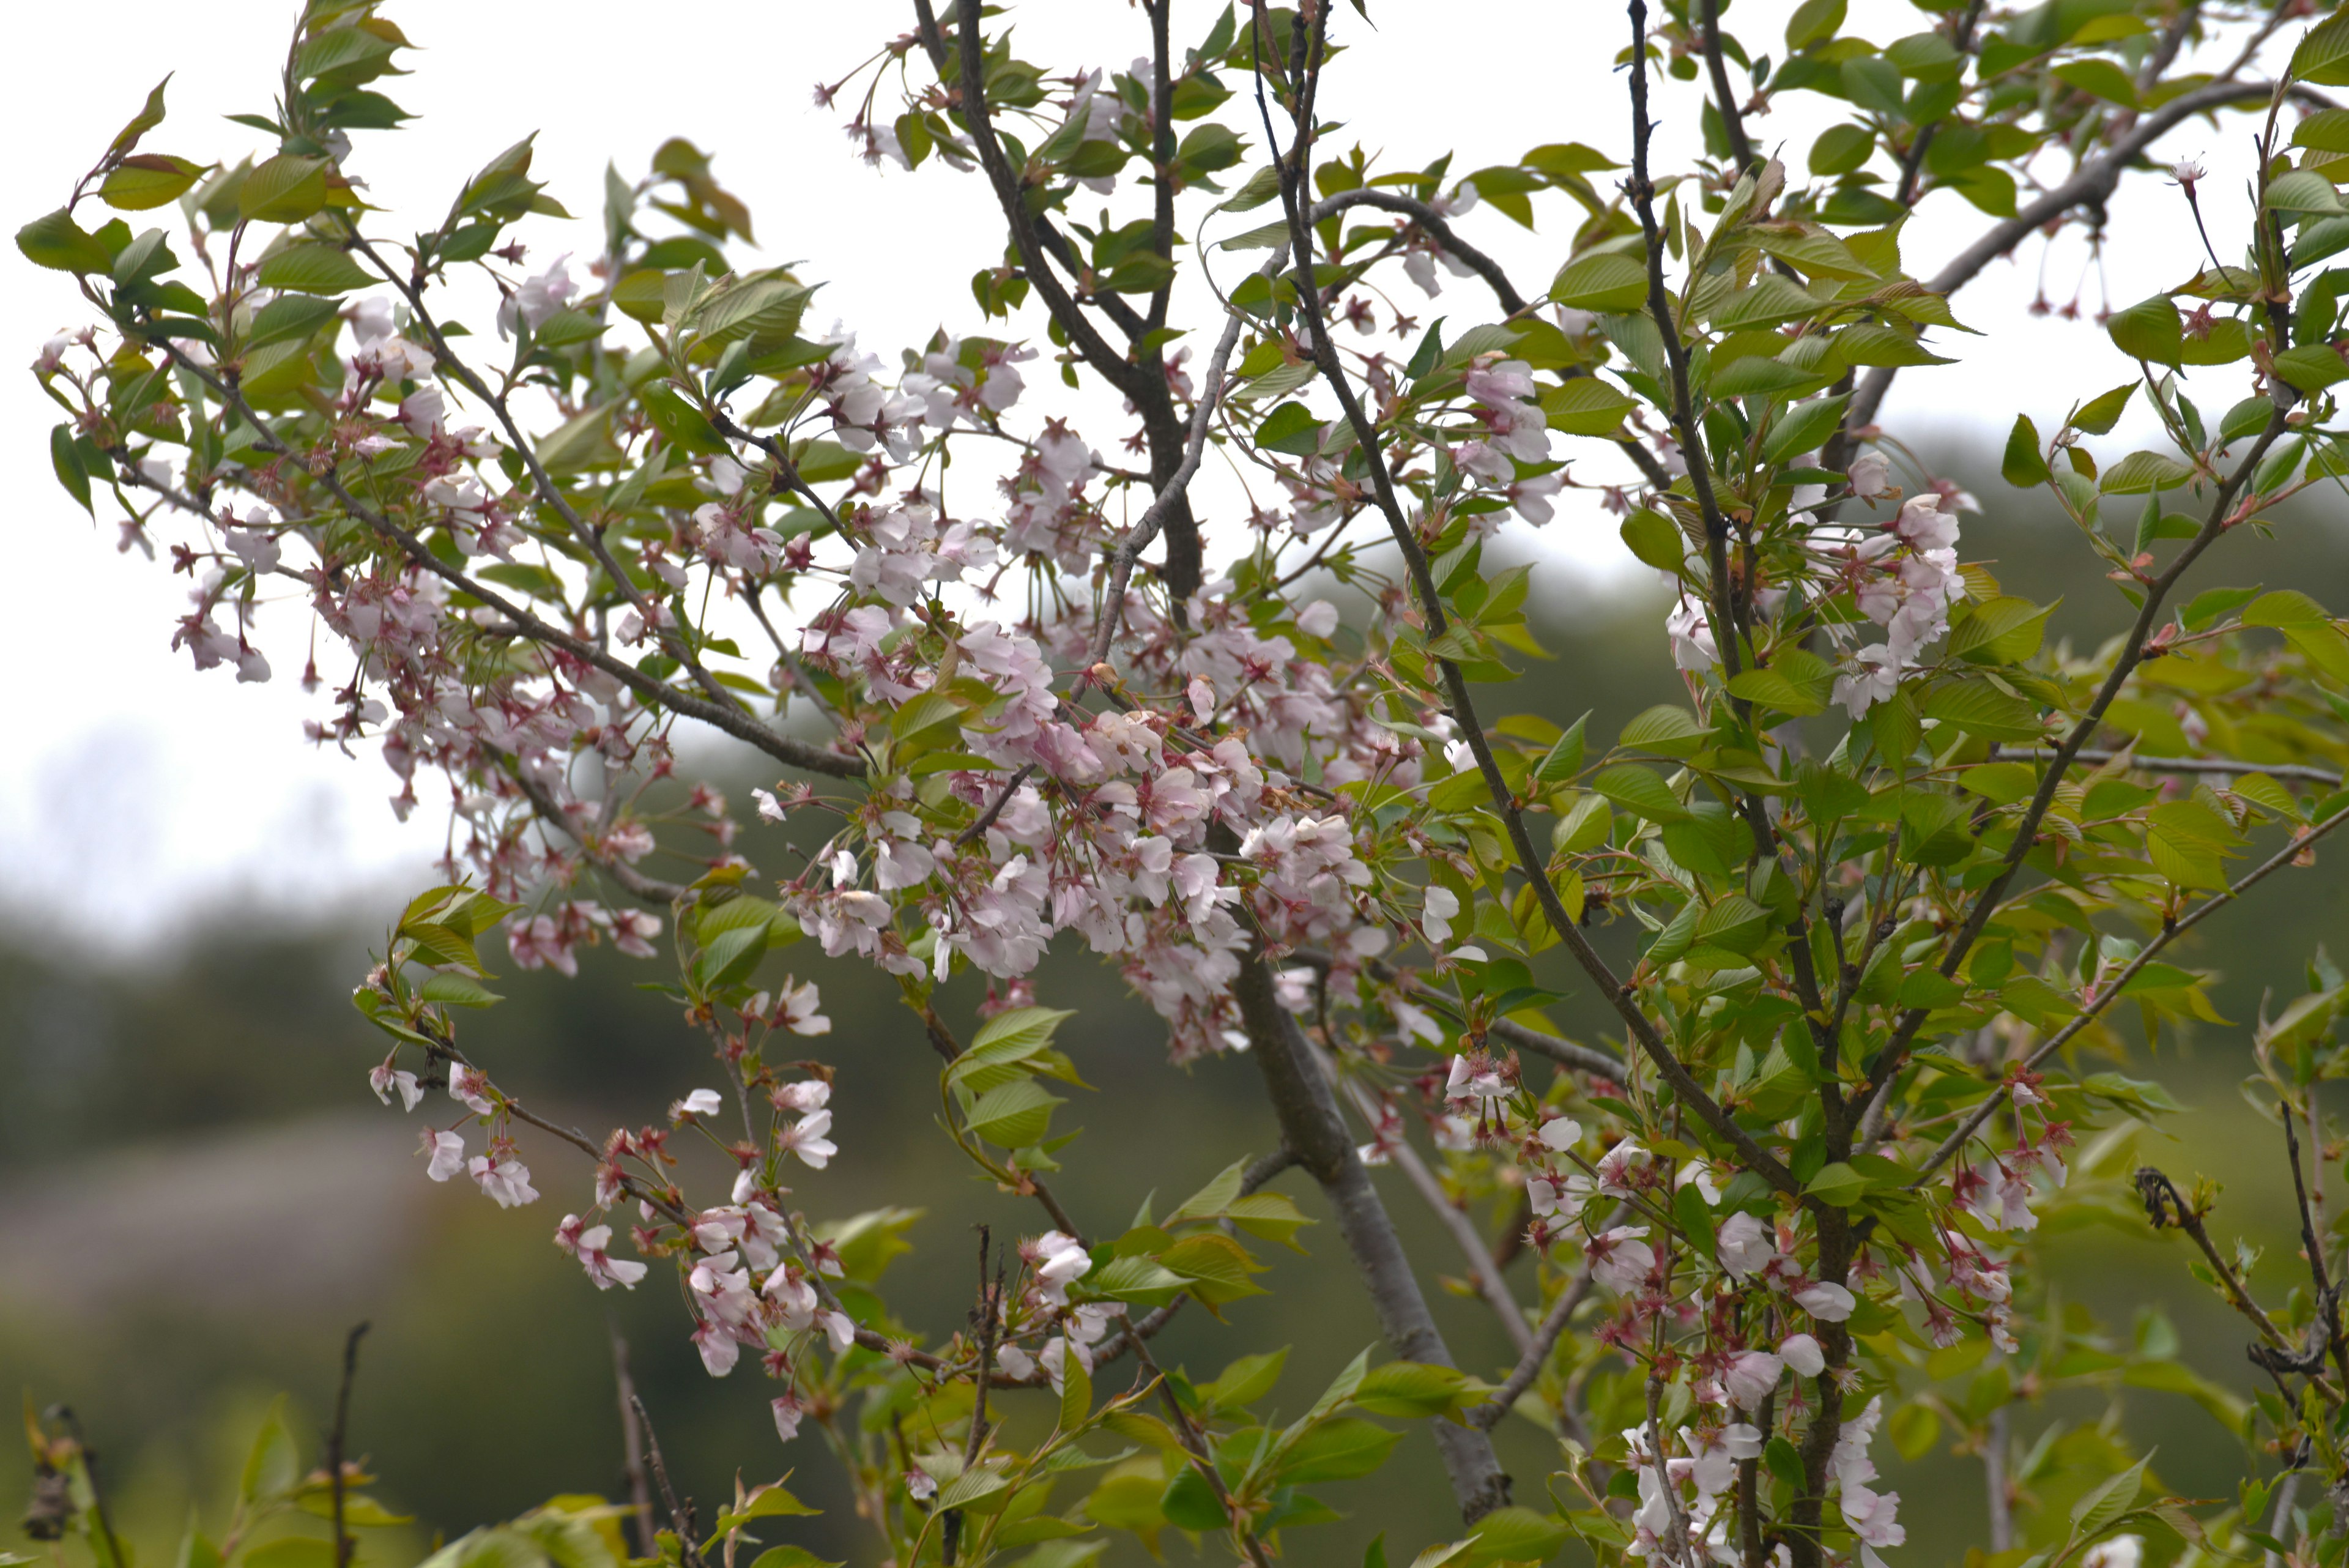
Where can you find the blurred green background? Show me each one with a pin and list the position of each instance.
(198, 1196)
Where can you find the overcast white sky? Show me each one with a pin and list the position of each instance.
(138, 795)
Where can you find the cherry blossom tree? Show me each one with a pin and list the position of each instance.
(1210, 677)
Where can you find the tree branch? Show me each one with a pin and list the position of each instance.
(1515, 304)
(2170, 932)
(1733, 123)
(1565, 1052)
(1896, 1049)
(1464, 1232)
(1463, 712)
(2092, 183)
(1529, 1365)
(1312, 1130)
(590, 539)
(2229, 765)
(1144, 384)
(1174, 493)
(1723, 605)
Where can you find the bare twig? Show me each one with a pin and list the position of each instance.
(632, 1443)
(680, 1515)
(2091, 184)
(990, 1316)
(1463, 1230)
(2303, 771)
(1732, 121)
(338, 1437)
(985, 819)
(1529, 1365)
(1172, 495)
(2328, 1301)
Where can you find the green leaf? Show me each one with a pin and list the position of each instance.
(1812, 21)
(2097, 1509)
(1014, 1115)
(57, 241)
(1607, 282)
(1338, 1450)
(288, 318)
(2284, 608)
(1020, 1029)
(1190, 1503)
(1515, 1534)
(1215, 1267)
(2099, 77)
(274, 1465)
(2149, 330)
(147, 179)
(1981, 709)
(2322, 56)
(286, 189)
(1773, 298)
(1837, 1185)
(1639, 791)
(67, 462)
(1672, 731)
(1564, 761)
(1291, 428)
(790, 1557)
(1244, 1381)
(1409, 1389)
(2311, 368)
(2104, 411)
(1653, 539)
(1841, 149)
(2326, 130)
(2303, 191)
(148, 117)
(2006, 630)
(1803, 427)
(313, 269)
(2142, 474)
(1586, 406)
(458, 991)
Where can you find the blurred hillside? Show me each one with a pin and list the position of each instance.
(198, 1196)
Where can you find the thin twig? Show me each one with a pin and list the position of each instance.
(1464, 1232)
(2090, 185)
(987, 818)
(1195, 1443)
(1565, 1052)
(1733, 123)
(987, 1315)
(632, 1443)
(2305, 772)
(1529, 1368)
(337, 1436)
(1171, 494)
(2168, 933)
(680, 1515)
(2328, 1304)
